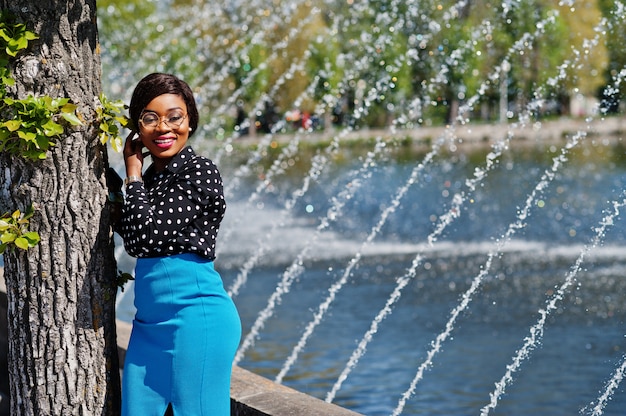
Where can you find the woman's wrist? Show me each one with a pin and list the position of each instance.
(133, 178)
(133, 172)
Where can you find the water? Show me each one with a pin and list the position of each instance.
(582, 343)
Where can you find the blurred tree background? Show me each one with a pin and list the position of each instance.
(273, 66)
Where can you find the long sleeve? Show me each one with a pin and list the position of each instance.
(178, 210)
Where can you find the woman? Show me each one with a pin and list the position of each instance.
(186, 329)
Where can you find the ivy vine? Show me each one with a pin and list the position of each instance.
(29, 127)
(110, 121)
(14, 231)
(33, 124)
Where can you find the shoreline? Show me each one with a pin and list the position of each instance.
(467, 135)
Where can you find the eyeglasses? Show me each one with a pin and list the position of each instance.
(173, 119)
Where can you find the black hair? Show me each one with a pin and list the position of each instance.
(153, 85)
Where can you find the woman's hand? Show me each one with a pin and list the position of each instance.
(133, 158)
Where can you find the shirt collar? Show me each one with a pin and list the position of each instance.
(180, 159)
(174, 165)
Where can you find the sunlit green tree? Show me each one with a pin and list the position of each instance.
(610, 92)
(412, 62)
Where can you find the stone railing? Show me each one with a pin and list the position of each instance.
(253, 395)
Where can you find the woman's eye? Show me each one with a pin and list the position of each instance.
(149, 119)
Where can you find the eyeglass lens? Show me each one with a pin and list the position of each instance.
(173, 119)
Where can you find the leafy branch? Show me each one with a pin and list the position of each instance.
(33, 123)
(30, 126)
(14, 230)
(13, 38)
(111, 120)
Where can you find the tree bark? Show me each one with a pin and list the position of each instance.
(61, 294)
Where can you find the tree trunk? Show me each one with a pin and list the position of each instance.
(61, 294)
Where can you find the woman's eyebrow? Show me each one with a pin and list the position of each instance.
(147, 110)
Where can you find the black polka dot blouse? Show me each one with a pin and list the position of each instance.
(178, 210)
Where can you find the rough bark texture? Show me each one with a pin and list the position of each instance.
(61, 294)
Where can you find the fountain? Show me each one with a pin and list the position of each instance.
(465, 268)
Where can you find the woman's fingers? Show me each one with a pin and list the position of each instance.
(132, 154)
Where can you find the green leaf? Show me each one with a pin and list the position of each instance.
(52, 129)
(69, 108)
(26, 135)
(123, 120)
(72, 119)
(12, 125)
(29, 211)
(56, 103)
(10, 51)
(8, 237)
(43, 142)
(117, 144)
(22, 243)
(22, 43)
(32, 237)
(4, 36)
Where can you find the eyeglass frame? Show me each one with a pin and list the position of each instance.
(160, 120)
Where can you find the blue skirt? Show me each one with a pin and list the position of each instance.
(183, 342)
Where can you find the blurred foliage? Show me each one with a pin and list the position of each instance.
(612, 93)
(366, 63)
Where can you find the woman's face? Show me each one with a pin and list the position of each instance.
(164, 128)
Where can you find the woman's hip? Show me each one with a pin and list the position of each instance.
(166, 285)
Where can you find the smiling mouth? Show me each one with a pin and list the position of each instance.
(165, 143)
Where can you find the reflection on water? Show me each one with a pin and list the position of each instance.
(583, 339)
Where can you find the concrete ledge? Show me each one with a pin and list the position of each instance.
(253, 395)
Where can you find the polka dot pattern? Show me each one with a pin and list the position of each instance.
(178, 210)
